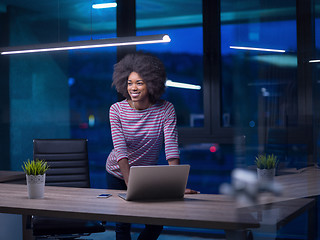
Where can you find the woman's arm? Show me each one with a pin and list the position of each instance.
(118, 140)
(170, 133)
(125, 169)
(117, 132)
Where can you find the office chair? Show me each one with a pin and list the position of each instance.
(69, 167)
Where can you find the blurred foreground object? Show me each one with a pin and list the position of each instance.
(245, 187)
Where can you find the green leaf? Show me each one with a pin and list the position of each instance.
(264, 161)
(35, 167)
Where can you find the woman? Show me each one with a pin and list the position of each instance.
(139, 126)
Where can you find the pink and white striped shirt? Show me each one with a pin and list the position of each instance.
(139, 134)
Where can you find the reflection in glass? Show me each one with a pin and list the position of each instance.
(259, 87)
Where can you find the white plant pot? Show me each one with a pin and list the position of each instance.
(35, 184)
(266, 174)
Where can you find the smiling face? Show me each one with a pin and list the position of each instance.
(138, 91)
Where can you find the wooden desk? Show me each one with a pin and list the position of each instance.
(297, 185)
(303, 183)
(197, 211)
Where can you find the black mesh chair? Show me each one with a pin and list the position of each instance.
(69, 167)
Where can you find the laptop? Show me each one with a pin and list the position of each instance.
(156, 182)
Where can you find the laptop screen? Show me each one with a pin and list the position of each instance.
(157, 182)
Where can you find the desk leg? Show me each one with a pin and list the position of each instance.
(27, 232)
(236, 234)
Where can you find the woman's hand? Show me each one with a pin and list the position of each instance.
(176, 161)
(190, 191)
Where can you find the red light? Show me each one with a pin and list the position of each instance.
(213, 149)
(83, 125)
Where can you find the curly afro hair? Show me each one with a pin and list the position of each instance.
(149, 68)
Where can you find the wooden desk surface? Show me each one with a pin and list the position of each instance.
(298, 184)
(198, 211)
(304, 183)
(281, 212)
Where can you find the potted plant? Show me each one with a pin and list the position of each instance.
(35, 174)
(266, 166)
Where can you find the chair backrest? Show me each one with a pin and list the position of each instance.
(67, 159)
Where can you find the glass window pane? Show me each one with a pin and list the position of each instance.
(211, 165)
(183, 56)
(259, 64)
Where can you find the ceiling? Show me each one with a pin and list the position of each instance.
(81, 16)
(150, 13)
(82, 20)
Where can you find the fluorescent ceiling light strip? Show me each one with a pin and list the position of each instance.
(314, 61)
(111, 42)
(104, 5)
(258, 49)
(170, 83)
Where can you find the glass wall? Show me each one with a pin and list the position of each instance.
(68, 94)
(259, 72)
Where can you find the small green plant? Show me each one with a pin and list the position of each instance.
(264, 161)
(35, 167)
